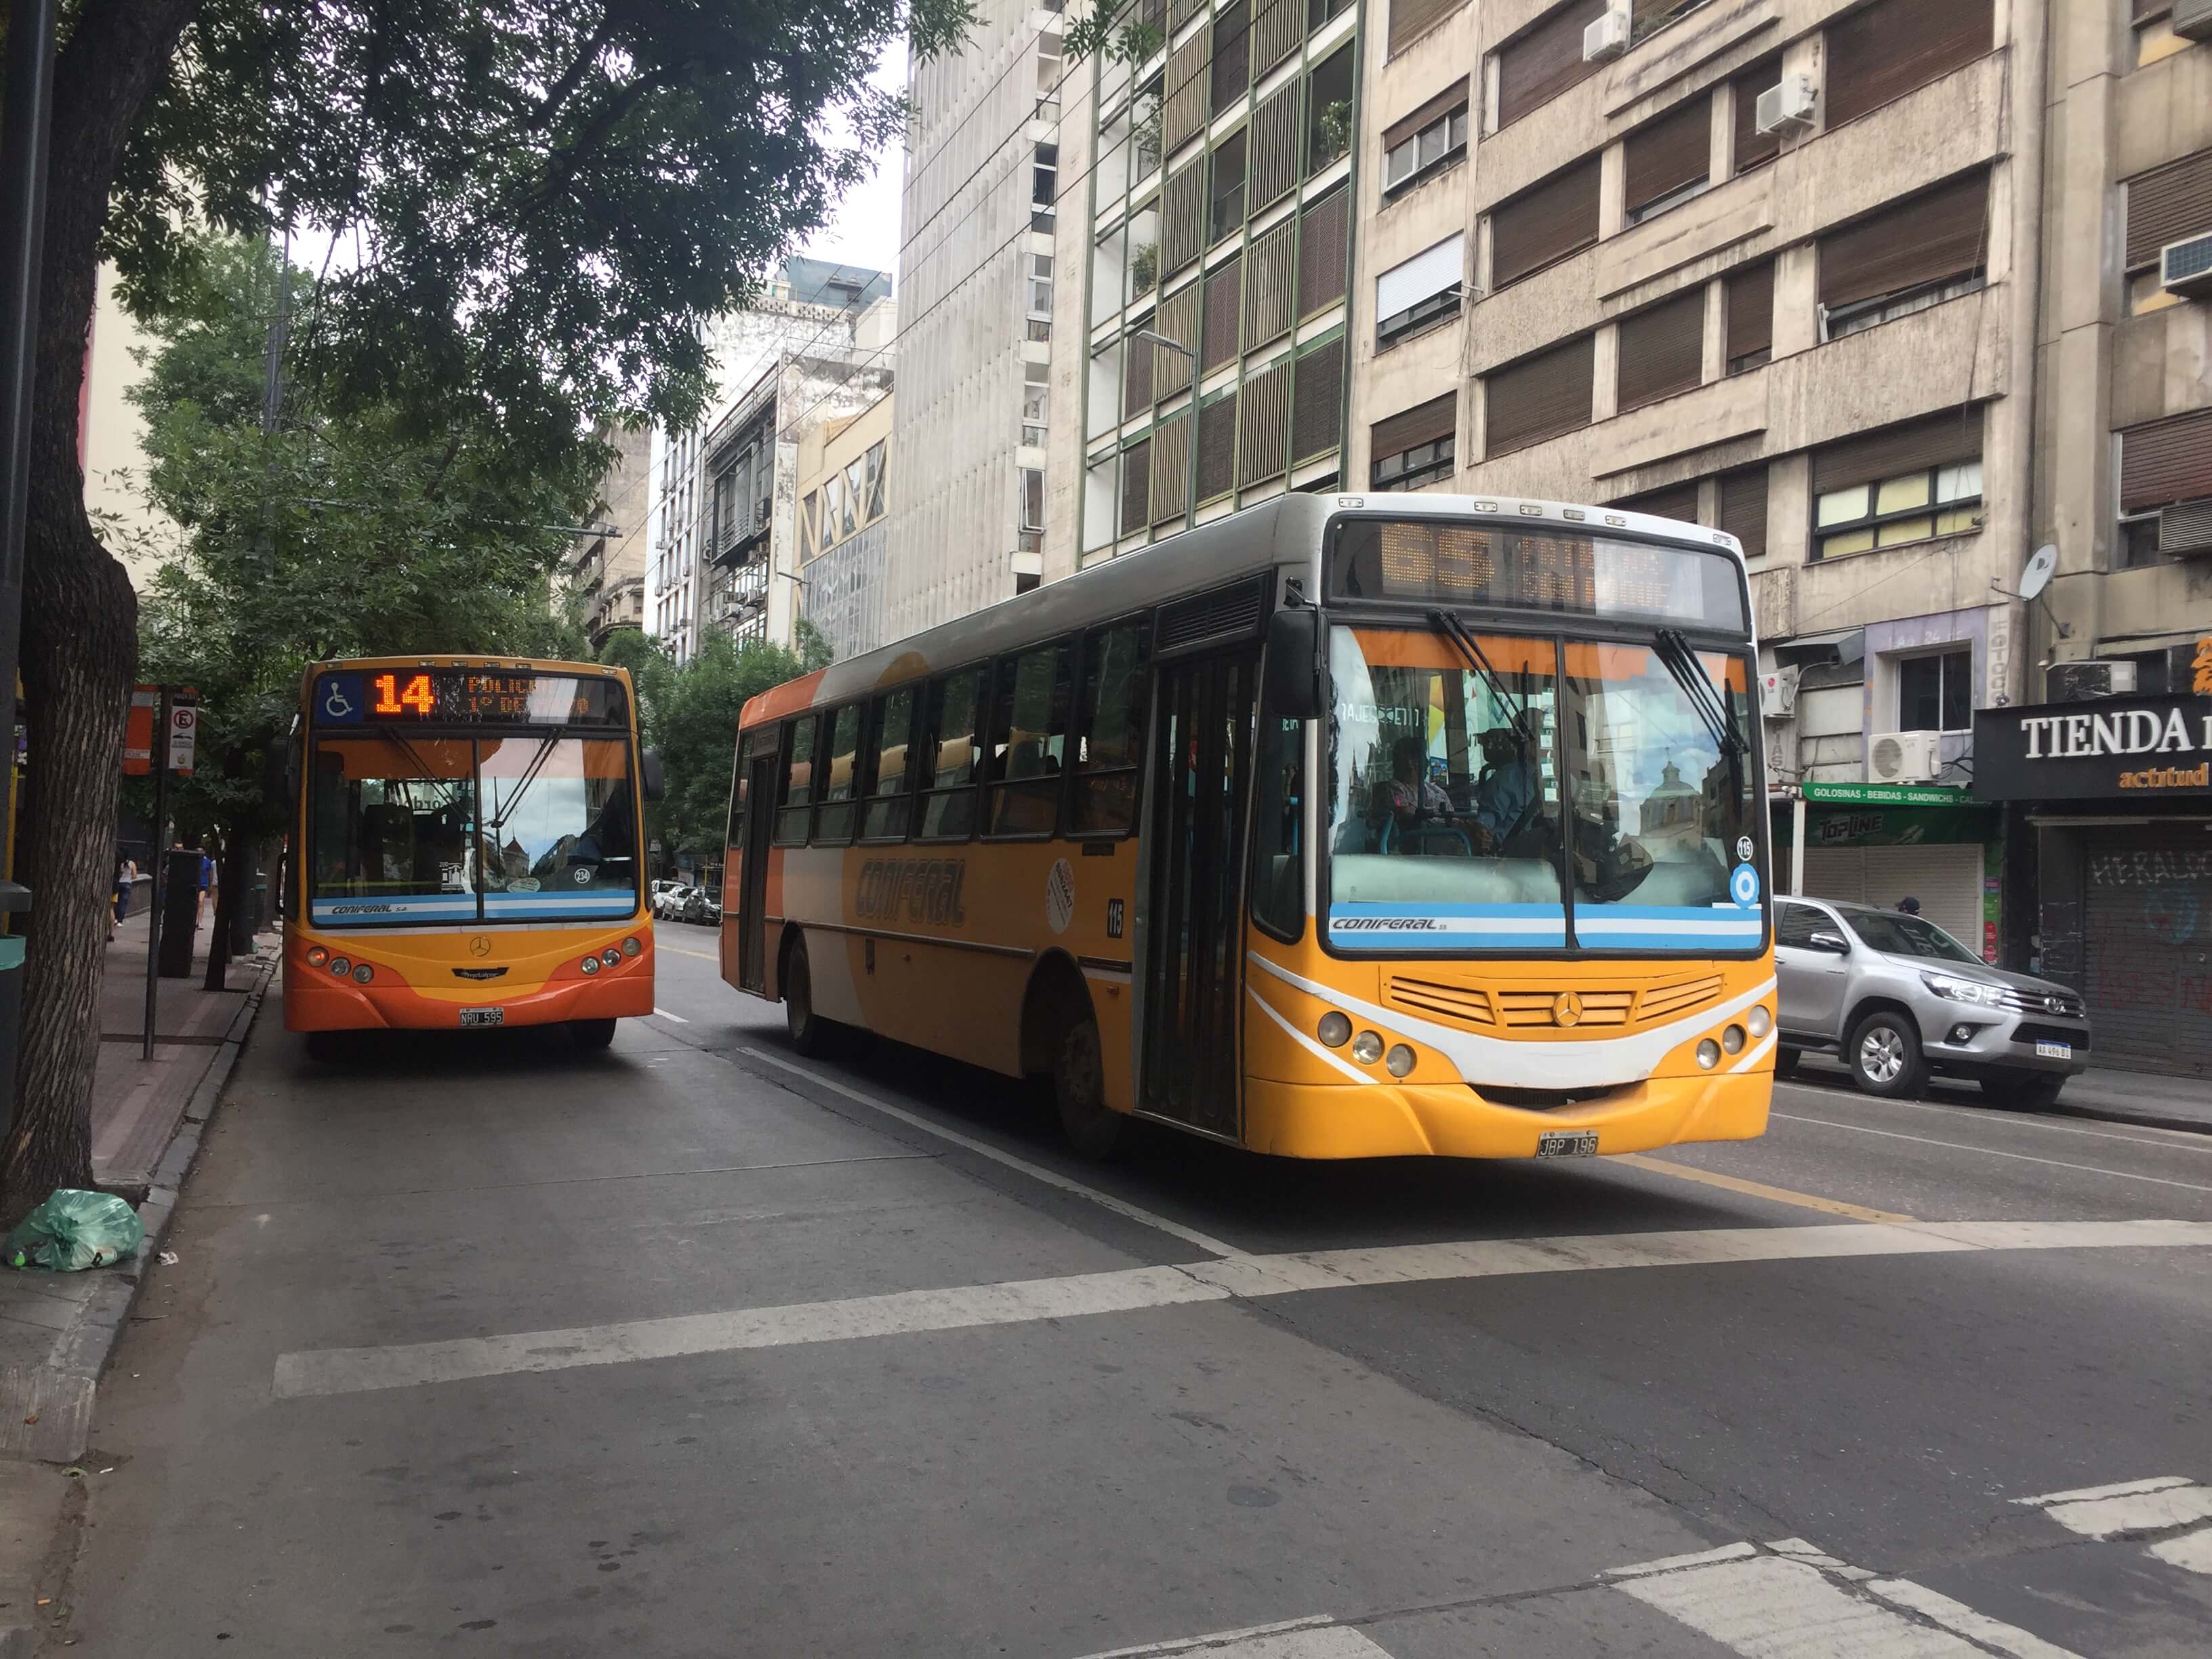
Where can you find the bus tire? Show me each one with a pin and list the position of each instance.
(590, 1035)
(809, 1032)
(1079, 1090)
(1785, 1061)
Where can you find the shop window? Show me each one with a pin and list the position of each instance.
(1937, 694)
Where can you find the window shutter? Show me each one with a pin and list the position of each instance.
(2167, 204)
(1743, 508)
(1274, 148)
(1137, 376)
(1323, 235)
(1541, 397)
(1178, 14)
(1423, 424)
(2168, 460)
(1277, 28)
(1938, 234)
(1662, 156)
(1136, 488)
(1939, 440)
(1229, 74)
(1884, 51)
(1216, 446)
(1271, 285)
(1182, 218)
(1412, 19)
(1177, 320)
(1545, 59)
(1171, 467)
(1224, 295)
(1263, 432)
(1184, 115)
(1754, 148)
(1750, 307)
(1425, 276)
(1451, 97)
(1662, 350)
(1317, 401)
(1543, 223)
(1674, 501)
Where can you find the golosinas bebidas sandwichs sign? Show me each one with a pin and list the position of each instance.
(2114, 748)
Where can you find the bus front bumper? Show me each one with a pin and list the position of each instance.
(1297, 1120)
(316, 1000)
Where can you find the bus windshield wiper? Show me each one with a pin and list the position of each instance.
(1469, 648)
(1711, 704)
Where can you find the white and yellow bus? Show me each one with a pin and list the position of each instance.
(1346, 826)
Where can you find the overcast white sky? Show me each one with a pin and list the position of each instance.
(865, 231)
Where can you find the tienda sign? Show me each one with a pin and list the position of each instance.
(2082, 751)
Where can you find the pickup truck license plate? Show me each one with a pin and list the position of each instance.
(484, 1015)
(1567, 1143)
(2054, 1051)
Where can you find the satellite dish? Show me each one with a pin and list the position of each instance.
(2036, 574)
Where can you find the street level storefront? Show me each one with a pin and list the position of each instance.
(1876, 843)
(2118, 794)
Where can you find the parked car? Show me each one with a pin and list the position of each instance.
(702, 906)
(654, 893)
(1896, 998)
(668, 904)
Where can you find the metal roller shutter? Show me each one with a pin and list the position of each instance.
(1423, 423)
(1750, 314)
(2146, 947)
(1884, 51)
(1539, 397)
(1663, 351)
(2168, 460)
(1662, 156)
(1453, 97)
(1743, 508)
(1939, 234)
(1939, 440)
(1947, 879)
(2167, 204)
(1545, 59)
(1543, 223)
(1412, 19)
(1754, 148)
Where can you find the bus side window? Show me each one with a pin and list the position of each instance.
(834, 816)
(797, 793)
(948, 805)
(1029, 733)
(1110, 750)
(1278, 880)
(891, 779)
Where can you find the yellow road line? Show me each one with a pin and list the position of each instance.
(1757, 1189)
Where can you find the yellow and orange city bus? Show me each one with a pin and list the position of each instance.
(466, 849)
(1346, 826)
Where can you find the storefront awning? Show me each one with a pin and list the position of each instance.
(1845, 645)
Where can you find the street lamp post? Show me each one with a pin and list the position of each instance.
(1190, 480)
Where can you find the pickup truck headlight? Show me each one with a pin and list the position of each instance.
(1961, 990)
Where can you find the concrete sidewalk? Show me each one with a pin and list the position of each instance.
(57, 1330)
(2141, 1097)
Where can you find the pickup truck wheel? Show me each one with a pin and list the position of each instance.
(1785, 1061)
(1885, 1056)
(2027, 1091)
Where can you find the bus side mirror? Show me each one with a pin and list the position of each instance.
(655, 780)
(1292, 682)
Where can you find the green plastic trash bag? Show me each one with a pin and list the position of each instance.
(73, 1230)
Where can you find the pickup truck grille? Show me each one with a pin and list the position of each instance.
(2058, 1005)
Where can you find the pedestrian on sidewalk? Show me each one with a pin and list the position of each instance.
(126, 874)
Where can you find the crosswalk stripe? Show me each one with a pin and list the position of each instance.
(2191, 1551)
(2148, 1507)
(1297, 1639)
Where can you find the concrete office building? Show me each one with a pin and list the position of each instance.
(815, 324)
(978, 281)
(844, 478)
(602, 576)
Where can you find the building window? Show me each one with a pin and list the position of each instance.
(1880, 53)
(1416, 447)
(1902, 484)
(1666, 161)
(1036, 401)
(1412, 19)
(2163, 463)
(1543, 223)
(1752, 148)
(876, 481)
(850, 501)
(1033, 498)
(2137, 547)
(1545, 59)
(1937, 694)
(1425, 290)
(1906, 259)
(1661, 351)
(1043, 184)
(2168, 203)
(1328, 109)
(2154, 37)
(1743, 508)
(1226, 195)
(1040, 284)
(1539, 397)
(806, 549)
(1425, 140)
(1748, 301)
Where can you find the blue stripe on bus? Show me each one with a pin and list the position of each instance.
(587, 904)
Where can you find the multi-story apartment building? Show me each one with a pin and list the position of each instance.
(1215, 217)
(844, 479)
(977, 286)
(602, 573)
(816, 326)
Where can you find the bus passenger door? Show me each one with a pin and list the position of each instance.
(752, 877)
(1193, 964)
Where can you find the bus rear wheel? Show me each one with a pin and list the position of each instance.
(1079, 1089)
(590, 1035)
(809, 1032)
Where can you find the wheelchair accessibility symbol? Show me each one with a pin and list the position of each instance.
(1743, 885)
(339, 700)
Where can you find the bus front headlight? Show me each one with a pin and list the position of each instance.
(631, 946)
(1334, 1029)
(589, 965)
(1759, 1021)
(1399, 1061)
(1709, 1054)
(1367, 1048)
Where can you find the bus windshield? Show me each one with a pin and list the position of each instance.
(523, 826)
(1473, 787)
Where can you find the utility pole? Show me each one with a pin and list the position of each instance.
(25, 123)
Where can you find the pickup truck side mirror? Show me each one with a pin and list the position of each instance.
(1826, 940)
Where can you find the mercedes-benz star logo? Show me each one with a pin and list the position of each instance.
(480, 944)
(1566, 1009)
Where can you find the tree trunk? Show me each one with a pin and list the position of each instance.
(80, 632)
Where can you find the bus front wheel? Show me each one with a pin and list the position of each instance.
(1078, 1087)
(809, 1032)
(590, 1035)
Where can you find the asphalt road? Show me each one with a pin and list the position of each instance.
(691, 1348)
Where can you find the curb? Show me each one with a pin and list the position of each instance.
(58, 1396)
(2142, 1117)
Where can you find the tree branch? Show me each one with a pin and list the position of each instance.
(572, 77)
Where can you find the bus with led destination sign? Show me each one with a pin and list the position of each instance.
(1341, 826)
(466, 850)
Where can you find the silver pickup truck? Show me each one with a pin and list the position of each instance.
(1895, 998)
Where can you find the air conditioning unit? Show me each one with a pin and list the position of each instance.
(2081, 682)
(2184, 268)
(1608, 38)
(1786, 106)
(1904, 757)
(2185, 531)
(1777, 693)
(2192, 19)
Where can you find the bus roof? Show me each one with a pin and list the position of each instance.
(1283, 532)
